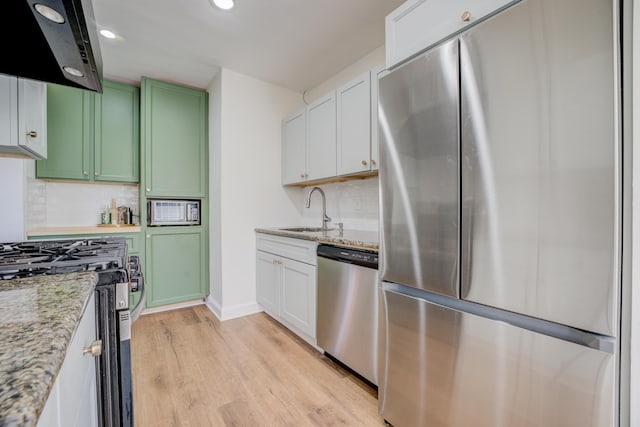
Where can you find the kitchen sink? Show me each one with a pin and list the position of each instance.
(305, 229)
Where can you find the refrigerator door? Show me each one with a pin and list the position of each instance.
(540, 175)
(419, 139)
(445, 367)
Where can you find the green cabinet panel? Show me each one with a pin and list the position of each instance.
(117, 133)
(93, 137)
(176, 268)
(69, 126)
(174, 135)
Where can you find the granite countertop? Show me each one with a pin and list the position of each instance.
(357, 239)
(38, 318)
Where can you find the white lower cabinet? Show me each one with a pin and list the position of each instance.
(72, 401)
(286, 286)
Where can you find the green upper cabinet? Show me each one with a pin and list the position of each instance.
(174, 135)
(92, 137)
(117, 133)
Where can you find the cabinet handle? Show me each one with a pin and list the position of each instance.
(32, 134)
(364, 163)
(95, 349)
(373, 162)
(466, 16)
(85, 173)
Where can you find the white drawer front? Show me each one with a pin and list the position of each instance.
(296, 249)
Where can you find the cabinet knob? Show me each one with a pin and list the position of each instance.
(32, 134)
(306, 175)
(364, 163)
(95, 349)
(85, 173)
(96, 173)
(148, 236)
(148, 190)
(301, 175)
(373, 162)
(466, 16)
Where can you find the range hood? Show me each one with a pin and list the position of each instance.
(64, 50)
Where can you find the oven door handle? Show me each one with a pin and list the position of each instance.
(135, 313)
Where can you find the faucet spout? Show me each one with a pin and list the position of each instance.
(325, 218)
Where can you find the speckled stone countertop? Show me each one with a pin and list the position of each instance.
(38, 317)
(357, 239)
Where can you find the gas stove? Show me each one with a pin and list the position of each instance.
(46, 257)
(118, 275)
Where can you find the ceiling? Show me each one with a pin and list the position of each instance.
(296, 44)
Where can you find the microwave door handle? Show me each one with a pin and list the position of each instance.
(189, 213)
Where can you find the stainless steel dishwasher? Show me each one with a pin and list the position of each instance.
(347, 320)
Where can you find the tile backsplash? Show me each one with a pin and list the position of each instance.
(69, 204)
(354, 203)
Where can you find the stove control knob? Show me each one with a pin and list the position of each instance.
(95, 349)
(122, 304)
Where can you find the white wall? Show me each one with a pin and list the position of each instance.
(246, 191)
(12, 201)
(367, 62)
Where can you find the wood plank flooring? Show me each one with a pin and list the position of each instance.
(189, 369)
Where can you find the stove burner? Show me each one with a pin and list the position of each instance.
(33, 258)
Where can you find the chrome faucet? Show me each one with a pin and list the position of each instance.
(325, 218)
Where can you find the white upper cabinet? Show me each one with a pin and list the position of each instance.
(294, 151)
(23, 121)
(321, 138)
(376, 73)
(354, 125)
(32, 117)
(419, 24)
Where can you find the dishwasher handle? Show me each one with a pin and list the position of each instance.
(349, 256)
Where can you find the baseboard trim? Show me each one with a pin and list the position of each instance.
(234, 311)
(169, 307)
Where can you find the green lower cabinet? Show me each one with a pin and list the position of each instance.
(177, 267)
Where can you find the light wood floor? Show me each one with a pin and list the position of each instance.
(189, 369)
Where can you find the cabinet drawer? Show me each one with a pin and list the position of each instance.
(296, 249)
(419, 24)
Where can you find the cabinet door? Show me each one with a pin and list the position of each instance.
(321, 138)
(174, 134)
(117, 135)
(69, 134)
(354, 125)
(176, 265)
(294, 148)
(32, 117)
(418, 24)
(298, 296)
(8, 110)
(76, 381)
(376, 73)
(268, 268)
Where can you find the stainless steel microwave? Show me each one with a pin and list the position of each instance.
(172, 212)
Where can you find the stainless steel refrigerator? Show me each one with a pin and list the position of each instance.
(500, 223)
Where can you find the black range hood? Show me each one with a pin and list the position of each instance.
(51, 51)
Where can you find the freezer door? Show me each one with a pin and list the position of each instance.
(419, 140)
(540, 150)
(444, 367)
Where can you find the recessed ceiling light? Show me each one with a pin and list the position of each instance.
(108, 34)
(224, 4)
(49, 13)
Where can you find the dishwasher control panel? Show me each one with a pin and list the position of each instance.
(348, 255)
